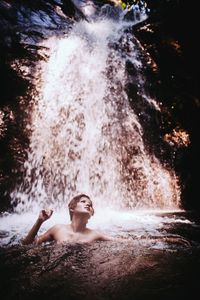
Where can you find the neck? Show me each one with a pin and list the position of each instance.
(78, 224)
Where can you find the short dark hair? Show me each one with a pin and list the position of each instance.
(73, 202)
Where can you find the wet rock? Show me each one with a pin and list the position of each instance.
(23, 26)
(168, 35)
(103, 270)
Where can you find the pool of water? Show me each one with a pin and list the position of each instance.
(155, 225)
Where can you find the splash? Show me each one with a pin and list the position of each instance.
(85, 137)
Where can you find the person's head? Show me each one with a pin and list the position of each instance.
(82, 200)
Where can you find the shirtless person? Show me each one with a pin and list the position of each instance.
(80, 210)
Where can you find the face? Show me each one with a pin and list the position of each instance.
(84, 206)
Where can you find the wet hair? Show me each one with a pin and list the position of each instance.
(73, 202)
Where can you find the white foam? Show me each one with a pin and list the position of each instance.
(13, 227)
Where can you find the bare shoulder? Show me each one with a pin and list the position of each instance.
(58, 227)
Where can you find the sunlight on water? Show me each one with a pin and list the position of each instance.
(85, 136)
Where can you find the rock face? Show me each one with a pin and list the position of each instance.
(23, 26)
(169, 37)
(103, 270)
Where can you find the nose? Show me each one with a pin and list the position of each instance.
(88, 205)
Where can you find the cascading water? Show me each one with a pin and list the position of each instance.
(85, 137)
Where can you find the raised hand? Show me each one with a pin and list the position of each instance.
(45, 214)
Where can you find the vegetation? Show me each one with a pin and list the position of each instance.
(133, 4)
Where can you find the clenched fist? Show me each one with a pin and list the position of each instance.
(45, 214)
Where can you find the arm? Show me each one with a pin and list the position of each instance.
(30, 238)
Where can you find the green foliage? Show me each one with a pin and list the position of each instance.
(123, 4)
(131, 3)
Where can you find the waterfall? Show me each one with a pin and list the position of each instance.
(85, 137)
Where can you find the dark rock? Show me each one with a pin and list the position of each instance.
(168, 35)
(23, 25)
(103, 270)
